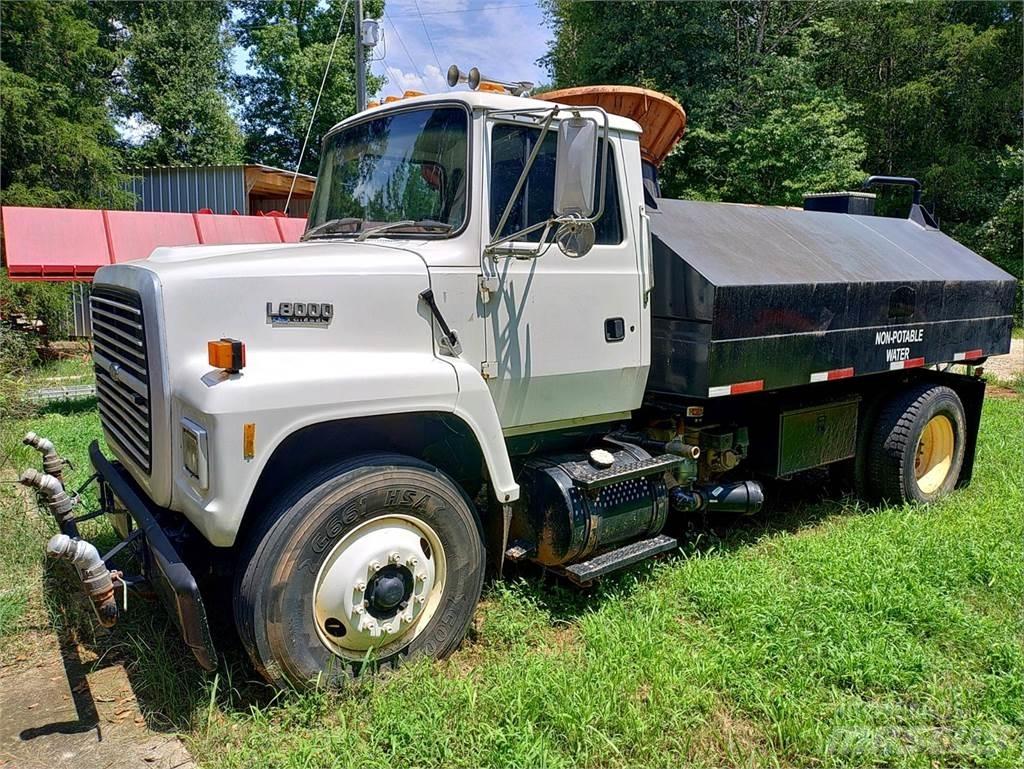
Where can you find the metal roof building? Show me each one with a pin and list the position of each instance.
(244, 189)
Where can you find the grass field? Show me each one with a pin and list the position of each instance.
(823, 634)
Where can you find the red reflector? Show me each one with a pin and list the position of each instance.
(840, 373)
(747, 387)
(913, 363)
(973, 354)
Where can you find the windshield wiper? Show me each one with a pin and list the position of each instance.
(332, 225)
(432, 224)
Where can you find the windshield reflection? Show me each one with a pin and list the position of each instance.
(406, 170)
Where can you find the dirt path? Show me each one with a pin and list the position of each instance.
(62, 708)
(1006, 367)
(59, 710)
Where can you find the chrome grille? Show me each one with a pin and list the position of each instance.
(122, 370)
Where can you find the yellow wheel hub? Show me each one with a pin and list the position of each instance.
(934, 454)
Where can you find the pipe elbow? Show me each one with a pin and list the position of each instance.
(47, 484)
(38, 442)
(82, 554)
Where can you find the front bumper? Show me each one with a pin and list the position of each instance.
(162, 566)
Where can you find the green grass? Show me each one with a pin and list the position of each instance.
(825, 634)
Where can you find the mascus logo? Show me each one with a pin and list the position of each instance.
(300, 313)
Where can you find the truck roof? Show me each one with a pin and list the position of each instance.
(484, 100)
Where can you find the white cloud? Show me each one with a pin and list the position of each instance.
(430, 81)
(503, 42)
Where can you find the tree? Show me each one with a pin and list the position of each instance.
(59, 143)
(176, 81)
(289, 42)
(761, 127)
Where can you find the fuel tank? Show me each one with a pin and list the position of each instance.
(560, 522)
(750, 298)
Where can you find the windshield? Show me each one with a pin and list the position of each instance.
(406, 170)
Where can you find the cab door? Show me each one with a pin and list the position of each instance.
(564, 336)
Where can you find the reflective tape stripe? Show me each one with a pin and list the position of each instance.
(747, 387)
(836, 373)
(901, 364)
(736, 389)
(968, 355)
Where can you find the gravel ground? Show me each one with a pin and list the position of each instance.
(1006, 367)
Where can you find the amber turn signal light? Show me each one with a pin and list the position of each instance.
(228, 354)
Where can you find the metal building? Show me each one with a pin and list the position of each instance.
(243, 189)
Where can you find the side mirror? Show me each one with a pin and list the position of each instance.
(575, 238)
(575, 167)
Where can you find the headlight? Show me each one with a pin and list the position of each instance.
(194, 452)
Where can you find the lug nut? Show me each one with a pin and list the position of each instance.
(374, 566)
(411, 562)
(394, 558)
(361, 585)
(420, 599)
(421, 575)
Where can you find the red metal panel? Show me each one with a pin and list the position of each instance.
(134, 234)
(291, 229)
(221, 228)
(54, 243)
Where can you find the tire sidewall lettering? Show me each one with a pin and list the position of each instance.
(337, 513)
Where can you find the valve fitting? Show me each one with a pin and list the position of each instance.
(57, 498)
(95, 576)
(53, 463)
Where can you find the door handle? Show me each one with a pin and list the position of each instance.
(614, 330)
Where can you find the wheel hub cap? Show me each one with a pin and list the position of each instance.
(379, 585)
(389, 591)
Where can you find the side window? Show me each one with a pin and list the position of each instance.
(511, 146)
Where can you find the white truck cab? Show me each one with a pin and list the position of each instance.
(467, 359)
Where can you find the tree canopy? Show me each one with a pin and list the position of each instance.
(175, 81)
(58, 143)
(289, 43)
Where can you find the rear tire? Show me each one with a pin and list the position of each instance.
(376, 559)
(916, 447)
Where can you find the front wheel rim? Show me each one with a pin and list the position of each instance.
(934, 455)
(379, 586)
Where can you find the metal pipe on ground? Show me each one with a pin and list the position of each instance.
(53, 463)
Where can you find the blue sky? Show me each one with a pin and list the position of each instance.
(504, 38)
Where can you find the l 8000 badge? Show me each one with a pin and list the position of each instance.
(317, 314)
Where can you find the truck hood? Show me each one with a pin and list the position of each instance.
(324, 257)
(190, 296)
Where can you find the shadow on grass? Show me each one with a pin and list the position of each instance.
(68, 407)
(804, 501)
(171, 689)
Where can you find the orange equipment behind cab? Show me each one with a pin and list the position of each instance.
(662, 118)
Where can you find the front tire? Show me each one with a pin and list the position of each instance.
(377, 559)
(917, 445)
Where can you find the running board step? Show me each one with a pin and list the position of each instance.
(585, 572)
(586, 477)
